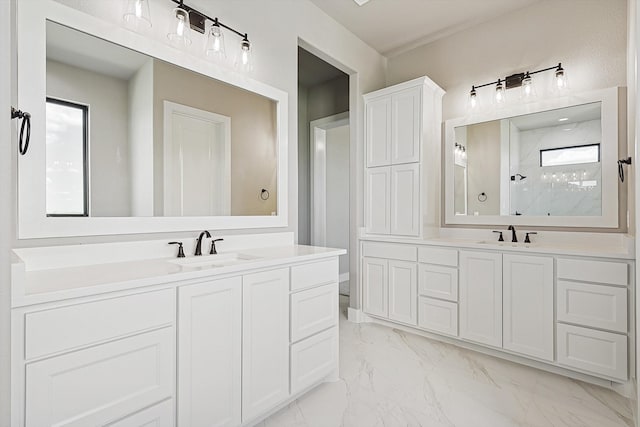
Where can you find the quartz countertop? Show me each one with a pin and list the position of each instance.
(48, 285)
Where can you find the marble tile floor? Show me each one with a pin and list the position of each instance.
(390, 378)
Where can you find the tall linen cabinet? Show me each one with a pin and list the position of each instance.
(402, 159)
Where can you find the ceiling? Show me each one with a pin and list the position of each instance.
(313, 70)
(394, 26)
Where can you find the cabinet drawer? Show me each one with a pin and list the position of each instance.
(313, 310)
(314, 274)
(313, 359)
(59, 329)
(598, 352)
(438, 316)
(160, 415)
(438, 282)
(613, 273)
(101, 384)
(390, 251)
(448, 257)
(597, 306)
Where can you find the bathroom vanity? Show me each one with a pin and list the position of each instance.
(220, 340)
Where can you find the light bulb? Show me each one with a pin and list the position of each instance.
(560, 81)
(473, 99)
(500, 94)
(243, 61)
(180, 28)
(136, 14)
(214, 48)
(528, 91)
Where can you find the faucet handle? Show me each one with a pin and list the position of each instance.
(180, 250)
(526, 238)
(213, 250)
(500, 239)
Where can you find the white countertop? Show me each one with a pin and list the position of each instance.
(47, 285)
(591, 248)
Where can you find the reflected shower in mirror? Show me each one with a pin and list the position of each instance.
(541, 164)
(131, 135)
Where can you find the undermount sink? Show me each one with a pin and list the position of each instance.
(213, 261)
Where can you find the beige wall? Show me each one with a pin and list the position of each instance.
(253, 134)
(107, 98)
(589, 37)
(483, 168)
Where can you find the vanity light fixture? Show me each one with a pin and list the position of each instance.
(187, 18)
(522, 80)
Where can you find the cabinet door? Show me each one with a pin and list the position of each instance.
(209, 353)
(378, 132)
(265, 341)
(403, 292)
(480, 297)
(375, 280)
(405, 200)
(406, 117)
(378, 199)
(101, 384)
(528, 305)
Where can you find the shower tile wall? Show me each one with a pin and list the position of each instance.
(555, 190)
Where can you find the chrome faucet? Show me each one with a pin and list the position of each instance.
(514, 238)
(199, 244)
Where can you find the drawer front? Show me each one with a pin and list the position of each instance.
(313, 310)
(598, 352)
(597, 306)
(160, 415)
(612, 273)
(314, 274)
(438, 316)
(390, 251)
(101, 384)
(313, 359)
(448, 257)
(438, 282)
(52, 331)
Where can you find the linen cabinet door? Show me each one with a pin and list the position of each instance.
(378, 132)
(405, 200)
(528, 305)
(406, 119)
(265, 341)
(375, 281)
(378, 201)
(210, 353)
(480, 297)
(403, 292)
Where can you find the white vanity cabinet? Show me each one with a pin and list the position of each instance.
(265, 341)
(528, 305)
(438, 290)
(210, 353)
(402, 146)
(481, 297)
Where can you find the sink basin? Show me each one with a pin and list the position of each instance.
(213, 261)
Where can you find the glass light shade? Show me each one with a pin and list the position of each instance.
(560, 81)
(243, 60)
(214, 48)
(473, 99)
(500, 97)
(180, 30)
(528, 91)
(136, 14)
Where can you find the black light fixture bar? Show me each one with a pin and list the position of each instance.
(515, 80)
(198, 24)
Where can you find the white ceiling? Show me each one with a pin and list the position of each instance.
(394, 26)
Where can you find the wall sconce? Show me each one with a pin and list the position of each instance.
(523, 81)
(184, 19)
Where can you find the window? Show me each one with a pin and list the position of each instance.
(66, 158)
(570, 155)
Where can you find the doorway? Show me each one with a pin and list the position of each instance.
(324, 150)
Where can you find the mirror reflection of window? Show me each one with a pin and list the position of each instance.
(66, 154)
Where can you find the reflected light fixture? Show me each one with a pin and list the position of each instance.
(522, 80)
(137, 15)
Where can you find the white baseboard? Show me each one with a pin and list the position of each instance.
(357, 316)
(344, 277)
